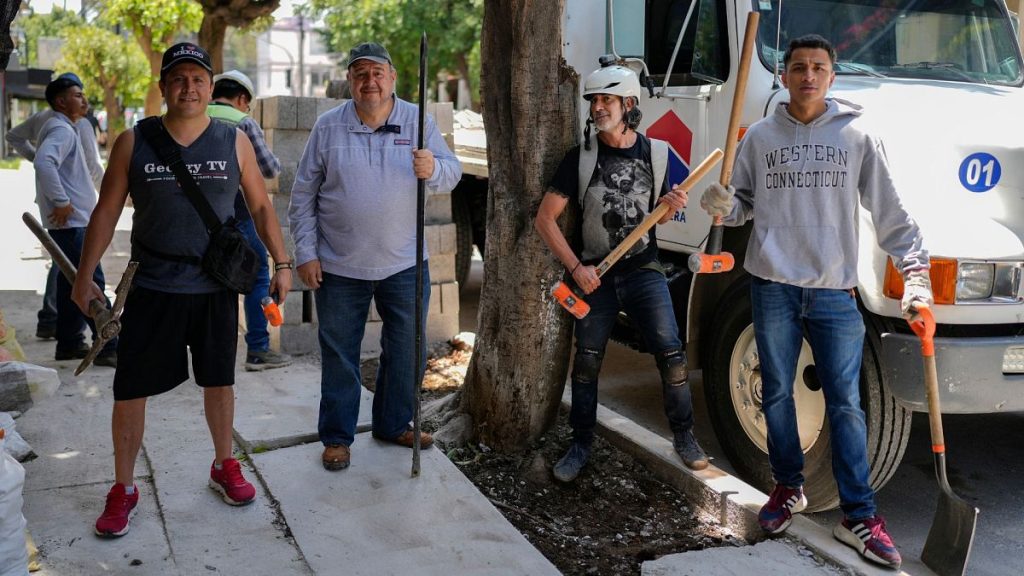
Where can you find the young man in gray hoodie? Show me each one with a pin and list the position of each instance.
(800, 174)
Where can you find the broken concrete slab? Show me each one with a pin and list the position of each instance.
(80, 450)
(372, 518)
(765, 558)
(280, 408)
(62, 519)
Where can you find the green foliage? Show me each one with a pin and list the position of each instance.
(109, 65)
(158, 20)
(42, 25)
(12, 163)
(452, 27)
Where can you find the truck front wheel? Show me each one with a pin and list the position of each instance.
(732, 387)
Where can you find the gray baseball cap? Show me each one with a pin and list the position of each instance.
(369, 51)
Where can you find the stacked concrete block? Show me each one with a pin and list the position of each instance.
(287, 121)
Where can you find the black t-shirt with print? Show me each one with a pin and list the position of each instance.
(617, 200)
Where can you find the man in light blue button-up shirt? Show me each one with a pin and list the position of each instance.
(353, 219)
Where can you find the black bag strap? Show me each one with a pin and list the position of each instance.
(169, 152)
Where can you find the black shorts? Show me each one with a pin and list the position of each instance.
(158, 329)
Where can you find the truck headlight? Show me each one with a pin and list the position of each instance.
(974, 281)
(959, 282)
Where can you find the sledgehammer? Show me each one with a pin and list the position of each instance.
(713, 260)
(573, 303)
(108, 322)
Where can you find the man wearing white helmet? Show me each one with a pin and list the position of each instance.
(232, 94)
(617, 185)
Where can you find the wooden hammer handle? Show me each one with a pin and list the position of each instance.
(659, 212)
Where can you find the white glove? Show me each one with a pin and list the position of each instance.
(717, 200)
(917, 290)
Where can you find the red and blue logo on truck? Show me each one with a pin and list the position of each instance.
(673, 130)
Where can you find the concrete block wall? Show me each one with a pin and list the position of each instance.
(287, 121)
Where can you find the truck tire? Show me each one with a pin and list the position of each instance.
(461, 216)
(732, 388)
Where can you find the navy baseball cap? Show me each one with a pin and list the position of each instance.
(185, 52)
(60, 84)
(369, 51)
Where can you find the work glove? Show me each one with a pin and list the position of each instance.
(917, 290)
(717, 200)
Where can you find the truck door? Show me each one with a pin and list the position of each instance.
(692, 37)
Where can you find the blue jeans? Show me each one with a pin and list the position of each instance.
(48, 313)
(342, 306)
(257, 339)
(835, 331)
(70, 320)
(643, 294)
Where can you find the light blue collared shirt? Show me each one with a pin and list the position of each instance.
(62, 175)
(353, 204)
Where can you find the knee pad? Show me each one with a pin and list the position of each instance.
(672, 365)
(587, 365)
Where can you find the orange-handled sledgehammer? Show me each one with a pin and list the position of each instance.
(573, 303)
(713, 260)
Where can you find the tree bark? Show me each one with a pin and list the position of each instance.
(515, 379)
(153, 97)
(115, 114)
(211, 37)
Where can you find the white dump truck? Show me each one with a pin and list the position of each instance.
(941, 85)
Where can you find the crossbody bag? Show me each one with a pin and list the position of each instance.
(228, 258)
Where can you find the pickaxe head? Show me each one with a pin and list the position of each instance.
(569, 300)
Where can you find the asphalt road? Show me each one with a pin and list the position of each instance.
(985, 459)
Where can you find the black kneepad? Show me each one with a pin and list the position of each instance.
(672, 365)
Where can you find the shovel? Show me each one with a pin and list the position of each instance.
(949, 540)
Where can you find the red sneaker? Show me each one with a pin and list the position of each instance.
(777, 513)
(117, 513)
(229, 482)
(871, 539)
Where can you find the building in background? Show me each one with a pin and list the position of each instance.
(292, 60)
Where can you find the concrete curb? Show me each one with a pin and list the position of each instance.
(733, 502)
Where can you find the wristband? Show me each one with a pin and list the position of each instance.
(284, 266)
(573, 271)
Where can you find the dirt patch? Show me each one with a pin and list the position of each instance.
(614, 517)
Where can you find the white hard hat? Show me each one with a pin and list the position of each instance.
(615, 80)
(236, 76)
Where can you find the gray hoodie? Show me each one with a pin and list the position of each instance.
(809, 181)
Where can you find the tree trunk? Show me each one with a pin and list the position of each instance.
(153, 97)
(211, 37)
(515, 379)
(115, 115)
(463, 66)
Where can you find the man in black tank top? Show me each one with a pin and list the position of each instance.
(174, 306)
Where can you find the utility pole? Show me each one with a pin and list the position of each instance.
(302, 54)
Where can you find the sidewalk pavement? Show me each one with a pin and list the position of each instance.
(370, 519)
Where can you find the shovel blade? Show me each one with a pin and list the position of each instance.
(951, 536)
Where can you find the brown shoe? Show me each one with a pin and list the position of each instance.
(335, 457)
(406, 438)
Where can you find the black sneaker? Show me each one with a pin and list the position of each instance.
(46, 331)
(266, 360)
(73, 354)
(568, 468)
(106, 359)
(691, 452)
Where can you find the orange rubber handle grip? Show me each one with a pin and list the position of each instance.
(924, 326)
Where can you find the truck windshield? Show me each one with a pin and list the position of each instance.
(923, 39)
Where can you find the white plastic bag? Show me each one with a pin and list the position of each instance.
(14, 444)
(20, 377)
(13, 553)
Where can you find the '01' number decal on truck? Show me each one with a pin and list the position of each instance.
(980, 172)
